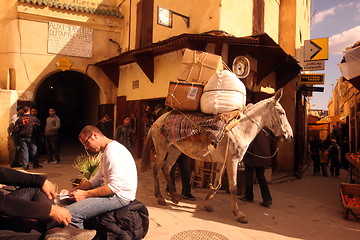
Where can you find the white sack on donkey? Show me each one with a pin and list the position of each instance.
(224, 92)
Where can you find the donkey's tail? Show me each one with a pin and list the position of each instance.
(145, 155)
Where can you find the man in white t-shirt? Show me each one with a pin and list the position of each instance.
(113, 186)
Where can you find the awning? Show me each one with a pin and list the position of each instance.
(270, 56)
(319, 127)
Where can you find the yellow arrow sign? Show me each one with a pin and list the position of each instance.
(316, 49)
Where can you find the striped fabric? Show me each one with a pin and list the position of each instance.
(179, 126)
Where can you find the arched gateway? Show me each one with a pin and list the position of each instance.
(75, 97)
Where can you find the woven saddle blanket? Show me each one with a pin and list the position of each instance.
(179, 126)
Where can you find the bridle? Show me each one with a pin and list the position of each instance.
(262, 128)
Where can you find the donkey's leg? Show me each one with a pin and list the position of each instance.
(231, 168)
(173, 155)
(160, 156)
(214, 188)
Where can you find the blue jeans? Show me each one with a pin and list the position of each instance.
(16, 151)
(28, 148)
(91, 207)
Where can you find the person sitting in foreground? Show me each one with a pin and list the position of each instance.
(113, 186)
(33, 199)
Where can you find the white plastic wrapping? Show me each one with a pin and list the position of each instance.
(224, 92)
(351, 68)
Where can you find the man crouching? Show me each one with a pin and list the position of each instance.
(113, 186)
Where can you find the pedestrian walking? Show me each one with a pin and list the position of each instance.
(26, 126)
(258, 156)
(14, 138)
(324, 161)
(51, 137)
(315, 147)
(183, 162)
(335, 158)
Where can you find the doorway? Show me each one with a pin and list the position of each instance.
(75, 98)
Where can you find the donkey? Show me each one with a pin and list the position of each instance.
(230, 151)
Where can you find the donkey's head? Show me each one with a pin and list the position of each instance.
(277, 121)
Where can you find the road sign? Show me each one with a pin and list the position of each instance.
(312, 78)
(311, 89)
(314, 65)
(316, 49)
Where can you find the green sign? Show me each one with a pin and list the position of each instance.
(312, 78)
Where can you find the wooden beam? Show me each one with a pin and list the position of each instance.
(146, 63)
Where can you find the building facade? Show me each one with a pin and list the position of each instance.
(87, 58)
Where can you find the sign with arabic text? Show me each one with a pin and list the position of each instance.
(70, 40)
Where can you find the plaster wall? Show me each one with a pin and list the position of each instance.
(166, 69)
(8, 100)
(239, 22)
(271, 19)
(204, 16)
(23, 49)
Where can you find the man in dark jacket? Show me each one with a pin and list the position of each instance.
(33, 199)
(26, 126)
(257, 157)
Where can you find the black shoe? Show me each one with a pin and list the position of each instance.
(243, 198)
(266, 204)
(14, 165)
(37, 166)
(26, 167)
(188, 196)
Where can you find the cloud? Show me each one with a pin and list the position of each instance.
(320, 16)
(338, 42)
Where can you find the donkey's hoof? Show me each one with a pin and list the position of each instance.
(209, 208)
(242, 220)
(161, 201)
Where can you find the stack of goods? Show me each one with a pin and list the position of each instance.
(350, 196)
(195, 70)
(224, 92)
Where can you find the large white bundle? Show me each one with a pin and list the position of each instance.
(224, 92)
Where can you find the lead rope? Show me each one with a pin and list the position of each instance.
(221, 171)
(257, 124)
(277, 149)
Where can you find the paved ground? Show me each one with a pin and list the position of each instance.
(307, 208)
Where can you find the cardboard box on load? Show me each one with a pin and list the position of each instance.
(199, 66)
(184, 96)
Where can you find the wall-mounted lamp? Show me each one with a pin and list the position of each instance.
(113, 41)
(165, 17)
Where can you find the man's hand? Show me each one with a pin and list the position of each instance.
(78, 195)
(60, 215)
(49, 189)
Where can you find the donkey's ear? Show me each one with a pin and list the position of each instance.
(278, 95)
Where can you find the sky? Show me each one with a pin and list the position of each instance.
(338, 20)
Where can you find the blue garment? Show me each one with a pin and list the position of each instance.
(91, 207)
(28, 148)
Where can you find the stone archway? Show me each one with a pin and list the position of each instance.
(75, 97)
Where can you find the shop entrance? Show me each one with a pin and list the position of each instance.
(74, 96)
